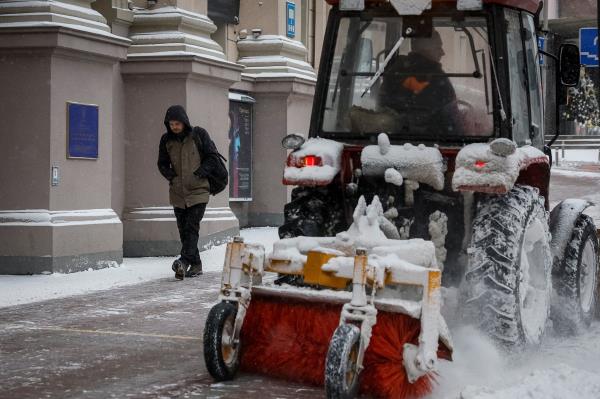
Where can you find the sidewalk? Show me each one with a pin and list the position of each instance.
(579, 166)
(17, 290)
(141, 341)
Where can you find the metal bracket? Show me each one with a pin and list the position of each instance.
(414, 7)
(469, 5)
(352, 5)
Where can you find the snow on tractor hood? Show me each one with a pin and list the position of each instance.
(316, 163)
(418, 163)
(367, 232)
(479, 169)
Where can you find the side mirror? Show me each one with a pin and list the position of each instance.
(570, 65)
(292, 142)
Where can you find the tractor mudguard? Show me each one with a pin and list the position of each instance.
(562, 221)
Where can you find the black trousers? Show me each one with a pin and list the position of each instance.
(188, 224)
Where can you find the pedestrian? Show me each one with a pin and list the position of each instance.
(186, 160)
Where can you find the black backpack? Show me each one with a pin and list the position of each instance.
(214, 163)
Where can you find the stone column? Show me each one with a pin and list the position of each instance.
(119, 18)
(282, 82)
(51, 53)
(173, 60)
(117, 13)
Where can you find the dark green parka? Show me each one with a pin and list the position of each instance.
(180, 161)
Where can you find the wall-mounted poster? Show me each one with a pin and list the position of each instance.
(82, 131)
(240, 147)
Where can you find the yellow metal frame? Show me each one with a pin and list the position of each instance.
(313, 274)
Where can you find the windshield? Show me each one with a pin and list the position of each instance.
(425, 78)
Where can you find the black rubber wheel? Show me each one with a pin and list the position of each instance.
(576, 297)
(341, 369)
(314, 212)
(507, 287)
(221, 357)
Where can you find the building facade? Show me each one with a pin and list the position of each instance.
(85, 86)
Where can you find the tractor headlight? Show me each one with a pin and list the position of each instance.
(292, 141)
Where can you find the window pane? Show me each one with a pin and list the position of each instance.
(432, 86)
(517, 76)
(535, 89)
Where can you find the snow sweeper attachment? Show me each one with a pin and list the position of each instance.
(367, 318)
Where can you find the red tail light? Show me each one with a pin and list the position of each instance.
(480, 164)
(311, 160)
(306, 161)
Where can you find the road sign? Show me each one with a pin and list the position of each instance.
(541, 47)
(291, 19)
(588, 45)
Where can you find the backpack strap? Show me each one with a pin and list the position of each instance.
(200, 135)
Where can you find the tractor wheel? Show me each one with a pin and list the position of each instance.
(576, 295)
(341, 367)
(507, 288)
(221, 355)
(313, 212)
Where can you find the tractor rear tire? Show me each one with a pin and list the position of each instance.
(314, 212)
(341, 368)
(221, 358)
(576, 297)
(507, 287)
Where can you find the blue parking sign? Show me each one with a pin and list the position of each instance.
(291, 19)
(588, 45)
(541, 47)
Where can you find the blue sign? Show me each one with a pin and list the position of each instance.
(541, 47)
(82, 131)
(291, 19)
(588, 45)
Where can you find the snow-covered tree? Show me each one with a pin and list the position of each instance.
(583, 104)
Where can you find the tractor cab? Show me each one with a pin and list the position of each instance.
(425, 105)
(450, 74)
(424, 167)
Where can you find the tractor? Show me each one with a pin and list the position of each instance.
(425, 167)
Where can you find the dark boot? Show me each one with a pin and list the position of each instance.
(195, 270)
(179, 269)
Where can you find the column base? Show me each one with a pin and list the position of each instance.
(153, 231)
(41, 241)
(26, 265)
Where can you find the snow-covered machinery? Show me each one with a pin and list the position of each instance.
(362, 276)
(454, 193)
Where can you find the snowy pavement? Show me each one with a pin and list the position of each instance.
(133, 331)
(136, 341)
(561, 368)
(17, 290)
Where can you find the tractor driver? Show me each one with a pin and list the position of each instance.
(416, 87)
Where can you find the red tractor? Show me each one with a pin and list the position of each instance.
(425, 166)
(461, 79)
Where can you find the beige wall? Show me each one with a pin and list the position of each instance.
(281, 108)
(119, 142)
(577, 8)
(311, 20)
(69, 227)
(24, 136)
(84, 184)
(41, 71)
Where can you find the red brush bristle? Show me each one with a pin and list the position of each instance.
(289, 339)
(384, 374)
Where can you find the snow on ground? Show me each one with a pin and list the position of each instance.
(17, 290)
(578, 155)
(562, 368)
